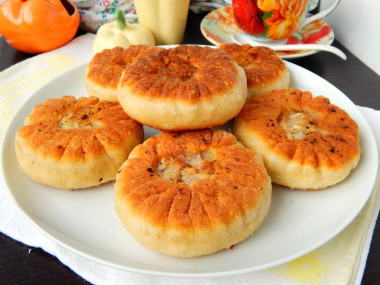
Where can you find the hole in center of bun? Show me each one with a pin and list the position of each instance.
(298, 125)
(177, 68)
(78, 119)
(187, 167)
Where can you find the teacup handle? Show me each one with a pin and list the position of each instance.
(320, 15)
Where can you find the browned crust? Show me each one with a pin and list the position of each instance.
(261, 64)
(190, 73)
(106, 67)
(235, 188)
(43, 134)
(333, 149)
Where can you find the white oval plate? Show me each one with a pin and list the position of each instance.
(85, 221)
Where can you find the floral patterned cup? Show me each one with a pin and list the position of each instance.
(273, 19)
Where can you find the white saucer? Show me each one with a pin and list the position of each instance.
(219, 26)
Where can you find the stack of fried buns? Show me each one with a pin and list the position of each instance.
(194, 188)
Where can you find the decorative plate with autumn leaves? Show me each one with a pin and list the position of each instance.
(218, 26)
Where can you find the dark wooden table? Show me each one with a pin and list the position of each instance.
(22, 264)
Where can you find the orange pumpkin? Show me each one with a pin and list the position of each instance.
(36, 26)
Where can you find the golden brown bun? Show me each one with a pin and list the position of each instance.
(264, 69)
(306, 142)
(183, 88)
(105, 68)
(192, 193)
(70, 144)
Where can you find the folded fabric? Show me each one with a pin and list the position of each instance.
(95, 13)
(340, 261)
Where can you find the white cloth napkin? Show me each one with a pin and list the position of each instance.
(340, 261)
